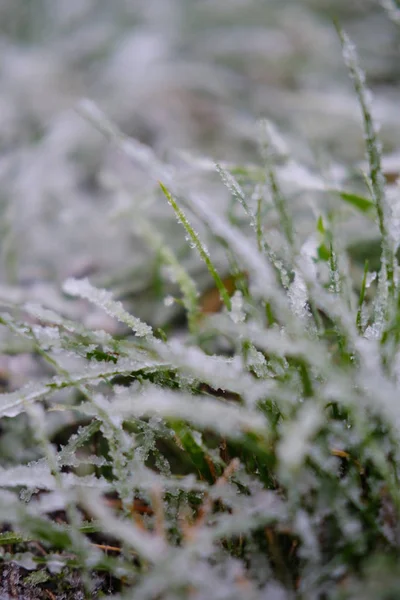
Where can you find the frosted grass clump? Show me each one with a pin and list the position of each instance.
(249, 446)
(376, 180)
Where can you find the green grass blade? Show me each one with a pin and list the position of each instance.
(187, 285)
(363, 204)
(374, 152)
(276, 193)
(199, 246)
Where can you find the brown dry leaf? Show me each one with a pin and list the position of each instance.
(210, 301)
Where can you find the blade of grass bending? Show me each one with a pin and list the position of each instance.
(198, 245)
(236, 191)
(373, 150)
(277, 196)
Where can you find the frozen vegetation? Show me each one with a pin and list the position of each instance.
(200, 300)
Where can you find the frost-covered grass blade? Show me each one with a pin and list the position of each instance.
(251, 452)
(195, 240)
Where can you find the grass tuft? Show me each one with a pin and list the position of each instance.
(250, 452)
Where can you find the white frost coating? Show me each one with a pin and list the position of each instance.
(396, 368)
(261, 274)
(393, 220)
(298, 296)
(308, 256)
(232, 184)
(274, 341)
(82, 288)
(373, 146)
(377, 389)
(14, 403)
(268, 131)
(169, 300)
(295, 443)
(335, 285)
(364, 315)
(256, 361)
(237, 192)
(372, 332)
(370, 279)
(297, 175)
(52, 318)
(47, 336)
(141, 154)
(236, 313)
(148, 546)
(306, 271)
(350, 58)
(227, 419)
(304, 527)
(217, 371)
(44, 314)
(38, 476)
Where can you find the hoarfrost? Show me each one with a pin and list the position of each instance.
(298, 296)
(256, 361)
(104, 299)
(304, 528)
(297, 435)
(263, 278)
(268, 131)
(227, 419)
(393, 218)
(301, 178)
(169, 300)
(370, 279)
(236, 313)
(39, 476)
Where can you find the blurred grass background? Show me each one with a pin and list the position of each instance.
(187, 78)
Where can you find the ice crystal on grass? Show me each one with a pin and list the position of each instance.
(237, 315)
(256, 362)
(195, 243)
(38, 477)
(137, 152)
(298, 296)
(169, 300)
(371, 277)
(104, 299)
(376, 178)
(176, 271)
(201, 411)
